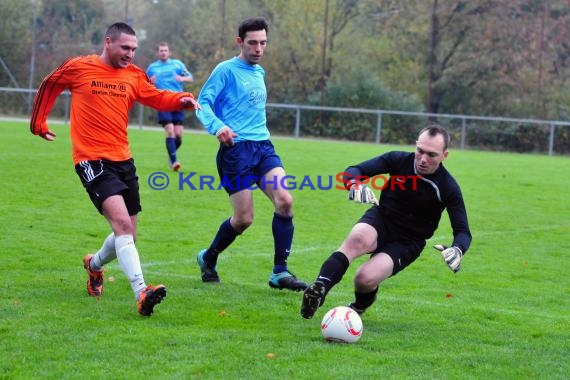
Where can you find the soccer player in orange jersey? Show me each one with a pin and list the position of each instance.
(104, 88)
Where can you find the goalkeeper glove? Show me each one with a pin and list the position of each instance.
(451, 255)
(361, 193)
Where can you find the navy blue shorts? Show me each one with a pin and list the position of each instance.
(176, 118)
(103, 178)
(402, 249)
(242, 165)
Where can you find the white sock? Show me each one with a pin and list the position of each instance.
(105, 254)
(129, 261)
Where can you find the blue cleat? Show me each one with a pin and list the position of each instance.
(208, 274)
(286, 280)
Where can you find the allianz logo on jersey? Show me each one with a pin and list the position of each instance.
(100, 84)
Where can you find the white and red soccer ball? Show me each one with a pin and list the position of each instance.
(341, 324)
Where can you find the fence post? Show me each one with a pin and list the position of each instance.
(297, 122)
(141, 113)
(66, 111)
(378, 127)
(551, 140)
(463, 132)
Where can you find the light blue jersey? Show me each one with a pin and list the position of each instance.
(165, 74)
(235, 95)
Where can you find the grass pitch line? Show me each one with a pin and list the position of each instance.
(497, 310)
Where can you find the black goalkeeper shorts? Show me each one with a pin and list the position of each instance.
(394, 243)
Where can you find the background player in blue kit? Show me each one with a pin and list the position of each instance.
(170, 74)
(394, 231)
(233, 103)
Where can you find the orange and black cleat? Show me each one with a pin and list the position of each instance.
(149, 298)
(95, 280)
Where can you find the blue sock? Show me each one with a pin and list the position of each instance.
(178, 142)
(171, 149)
(225, 236)
(283, 236)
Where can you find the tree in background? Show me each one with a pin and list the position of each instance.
(478, 57)
(65, 29)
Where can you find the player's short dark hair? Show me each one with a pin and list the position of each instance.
(252, 24)
(115, 30)
(436, 129)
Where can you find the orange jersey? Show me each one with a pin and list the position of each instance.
(101, 97)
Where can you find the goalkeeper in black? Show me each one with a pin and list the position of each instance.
(394, 231)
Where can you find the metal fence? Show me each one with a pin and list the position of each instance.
(301, 121)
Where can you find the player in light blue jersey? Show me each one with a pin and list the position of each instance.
(233, 101)
(170, 74)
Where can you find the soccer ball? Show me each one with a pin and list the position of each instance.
(341, 324)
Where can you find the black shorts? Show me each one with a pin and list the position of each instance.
(103, 178)
(402, 249)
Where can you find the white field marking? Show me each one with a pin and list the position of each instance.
(498, 310)
(330, 248)
(518, 231)
(433, 239)
(224, 256)
(193, 273)
(262, 281)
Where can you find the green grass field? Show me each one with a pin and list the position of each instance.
(505, 315)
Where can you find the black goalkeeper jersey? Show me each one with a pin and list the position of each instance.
(413, 203)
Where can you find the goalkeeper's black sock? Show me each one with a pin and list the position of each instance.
(225, 236)
(363, 301)
(283, 228)
(332, 270)
(177, 142)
